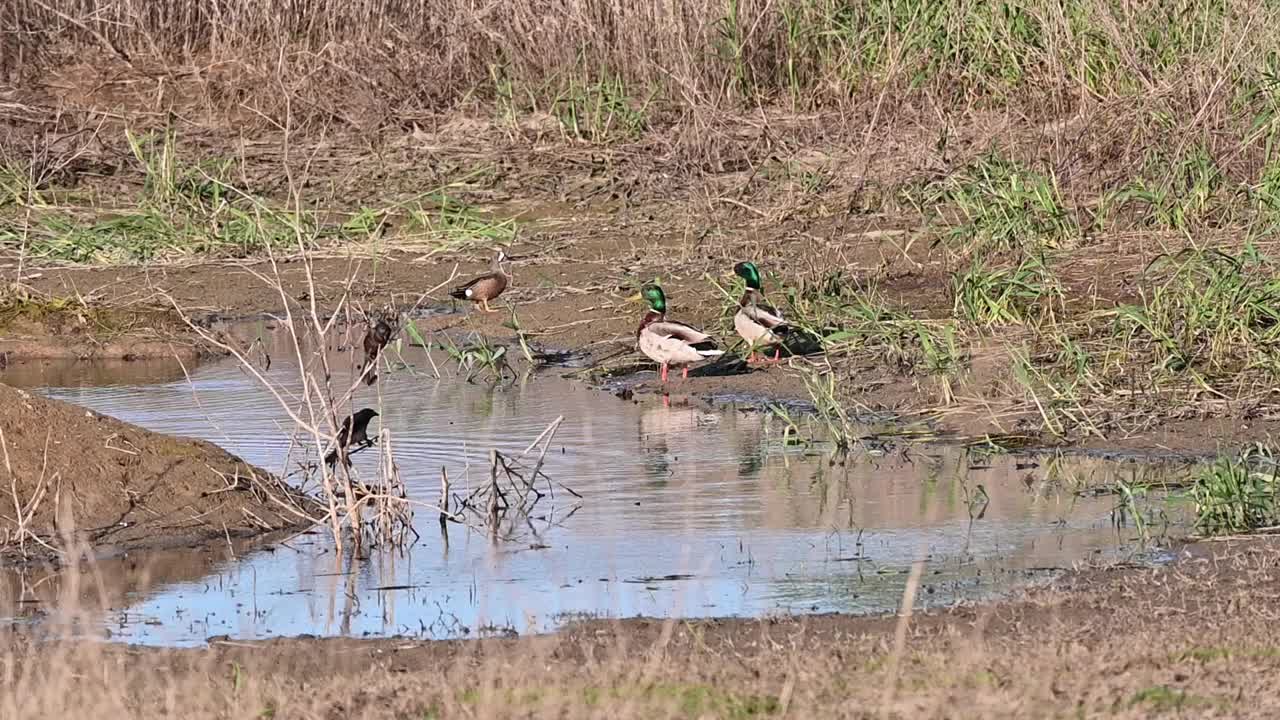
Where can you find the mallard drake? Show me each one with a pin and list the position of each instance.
(668, 342)
(758, 322)
(486, 287)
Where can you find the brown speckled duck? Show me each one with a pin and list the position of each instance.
(486, 287)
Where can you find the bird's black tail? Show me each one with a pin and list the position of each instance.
(458, 293)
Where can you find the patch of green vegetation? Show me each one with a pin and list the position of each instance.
(145, 234)
(1003, 296)
(18, 187)
(1059, 398)
(601, 111)
(135, 237)
(692, 700)
(1174, 192)
(807, 179)
(478, 355)
(1163, 698)
(1209, 311)
(847, 318)
(183, 209)
(841, 319)
(590, 104)
(171, 183)
(860, 43)
(1002, 206)
(1207, 654)
(701, 700)
(829, 407)
(192, 208)
(19, 305)
(1237, 494)
(453, 225)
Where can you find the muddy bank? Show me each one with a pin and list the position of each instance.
(841, 234)
(77, 482)
(585, 307)
(1193, 638)
(66, 326)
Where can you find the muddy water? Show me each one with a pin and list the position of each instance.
(685, 511)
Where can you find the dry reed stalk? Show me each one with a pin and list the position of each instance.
(494, 492)
(394, 520)
(25, 511)
(305, 65)
(511, 491)
(900, 635)
(307, 335)
(444, 496)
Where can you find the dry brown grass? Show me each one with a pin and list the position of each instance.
(389, 62)
(1093, 92)
(1197, 639)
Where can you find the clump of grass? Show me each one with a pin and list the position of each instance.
(478, 356)
(170, 182)
(1237, 494)
(132, 237)
(453, 225)
(17, 186)
(848, 319)
(182, 209)
(145, 233)
(1003, 296)
(1163, 699)
(1060, 399)
(601, 111)
(791, 434)
(823, 389)
(191, 208)
(1209, 310)
(1174, 193)
(1001, 206)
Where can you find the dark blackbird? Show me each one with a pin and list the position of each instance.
(377, 338)
(354, 433)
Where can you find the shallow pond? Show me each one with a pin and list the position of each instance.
(685, 511)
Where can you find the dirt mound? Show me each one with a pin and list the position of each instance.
(72, 478)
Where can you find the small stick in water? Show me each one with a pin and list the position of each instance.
(444, 496)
